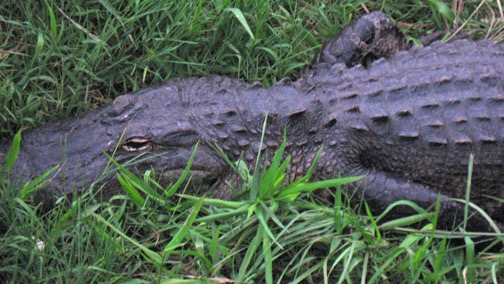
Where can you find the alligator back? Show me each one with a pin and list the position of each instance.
(419, 115)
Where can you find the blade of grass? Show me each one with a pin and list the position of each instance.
(132, 192)
(255, 188)
(217, 202)
(176, 241)
(184, 174)
(36, 184)
(53, 23)
(264, 225)
(268, 258)
(468, 189)
(308, 187)
(12, 154)
(268, 182)
(251, 251)
(241, 18)
(151, 255)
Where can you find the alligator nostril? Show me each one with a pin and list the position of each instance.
(137, 144)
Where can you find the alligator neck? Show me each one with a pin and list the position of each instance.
(231, 114)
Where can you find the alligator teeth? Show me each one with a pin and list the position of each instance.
(137, 140)
(136, 144)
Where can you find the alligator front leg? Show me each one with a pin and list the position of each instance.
(381, 189)
(373, 34)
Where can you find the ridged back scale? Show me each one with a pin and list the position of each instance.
(420, 113)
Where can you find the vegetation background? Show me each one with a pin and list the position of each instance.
(59, 59)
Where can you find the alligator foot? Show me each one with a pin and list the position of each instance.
(383, 189)
(373, 34)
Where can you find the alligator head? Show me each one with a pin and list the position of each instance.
(149, 129)
(158, 133)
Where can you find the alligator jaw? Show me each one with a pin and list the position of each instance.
(169, 163)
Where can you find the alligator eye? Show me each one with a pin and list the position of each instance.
(136, 144)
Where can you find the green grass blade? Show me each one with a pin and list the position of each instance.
(111, 10)
(225, 215)
(132, 192)
(282, 172)
(268, 257)
(251, 251)
(468, 189)
(309, 187)
(133, 183)
(217, 202)
(406, 221)
(241, 18)
(314, 164)
(338, 202)
(36, 184)
(268, 183)
(176, 241)
(330, 183)
(442, 8)
(271, 213)
(39, 47)
(470, 259)
(400, 203)
(182, 178)
(53, 23)
(482, 212)
(214, 244)
(373, 225)
(151, 255)
(264, 225)
(13, 153)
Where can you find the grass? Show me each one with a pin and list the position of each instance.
(57, 61)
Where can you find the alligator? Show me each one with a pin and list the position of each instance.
(407, 121)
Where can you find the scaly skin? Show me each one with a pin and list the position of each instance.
(408, 123)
